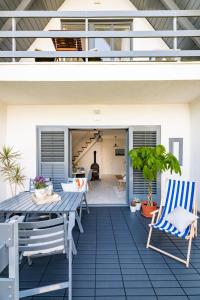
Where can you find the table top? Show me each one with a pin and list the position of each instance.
(79, 172)
(23, 203)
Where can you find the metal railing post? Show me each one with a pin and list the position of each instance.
(175, 29)
(13, 38)
(86, 39)
(132, 40)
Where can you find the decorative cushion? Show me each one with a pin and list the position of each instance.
(180, 218)
(73, 186)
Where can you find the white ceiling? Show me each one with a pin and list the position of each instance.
(118, 92)
(106, 133)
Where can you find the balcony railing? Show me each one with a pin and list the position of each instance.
(87, 34)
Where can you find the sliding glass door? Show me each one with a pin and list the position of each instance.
(110, 44)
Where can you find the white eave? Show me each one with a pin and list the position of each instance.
(134, 71)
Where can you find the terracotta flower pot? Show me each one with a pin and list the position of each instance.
(147, 209)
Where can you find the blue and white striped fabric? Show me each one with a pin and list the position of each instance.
(179, 194)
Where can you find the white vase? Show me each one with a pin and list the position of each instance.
(49, 189)
(133, 209)
(40, 193)
(138, 206)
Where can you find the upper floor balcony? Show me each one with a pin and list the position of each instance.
(98, 36)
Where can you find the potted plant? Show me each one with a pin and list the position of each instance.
(40, 187)
(133, 206)
(10, 168)
(138, 203)
(152, 161)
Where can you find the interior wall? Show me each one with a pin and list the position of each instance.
(113, 164)
(195, 144)
(22, 121)
(3, 112)
(108, 162)
(80, 5)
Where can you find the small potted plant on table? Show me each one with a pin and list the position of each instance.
(40, 186)
(152, 161)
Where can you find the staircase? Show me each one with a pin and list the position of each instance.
(89, 142)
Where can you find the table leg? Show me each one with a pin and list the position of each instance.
(79, 222)
(71, 223)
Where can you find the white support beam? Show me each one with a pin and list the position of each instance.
(184, 22)
(24, 4)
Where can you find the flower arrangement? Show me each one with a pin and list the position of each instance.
(39, 183)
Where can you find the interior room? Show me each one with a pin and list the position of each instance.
(100, 155)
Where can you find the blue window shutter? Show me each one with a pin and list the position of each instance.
(53, 154)
(143, 136)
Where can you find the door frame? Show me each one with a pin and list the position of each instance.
(127, 159)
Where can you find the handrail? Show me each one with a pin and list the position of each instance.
(87, 16)
(99, 34)
(100, 54)
(100, 14)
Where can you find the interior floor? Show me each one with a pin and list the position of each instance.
(106, 191)
(101, 153)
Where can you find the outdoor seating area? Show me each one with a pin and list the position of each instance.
(99, 150)
(113, 262)
(113, 253)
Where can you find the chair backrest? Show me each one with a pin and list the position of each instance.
(31, 184)
(180, 193)
(9, 286)
(71, 186)
(89, 175)
(67, 44)
(42, 235)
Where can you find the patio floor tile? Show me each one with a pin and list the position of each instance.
(141, 297)
(169, 291)
(140, 292)
(113, 263)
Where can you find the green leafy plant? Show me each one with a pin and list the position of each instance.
(152, 161)
(10, 168)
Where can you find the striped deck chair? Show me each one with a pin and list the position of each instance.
(180, 193)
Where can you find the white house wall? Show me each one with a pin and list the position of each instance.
(2, 142)
(22, 122)
(195, 144)
(108, 162)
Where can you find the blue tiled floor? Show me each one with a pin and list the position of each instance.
(113, 264)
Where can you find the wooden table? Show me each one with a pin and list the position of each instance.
(23, 204)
